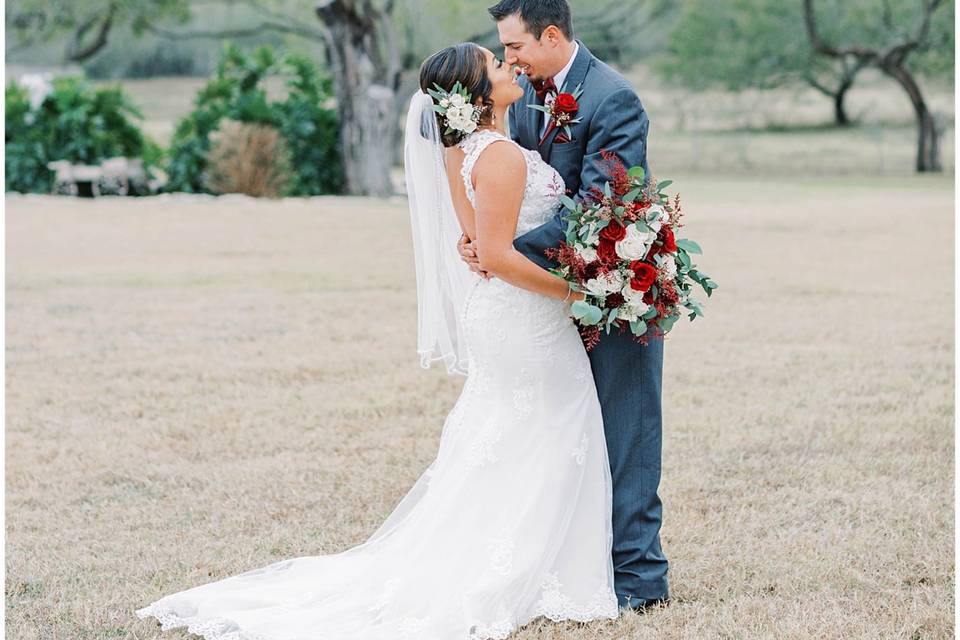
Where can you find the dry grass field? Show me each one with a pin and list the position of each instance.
(199, 386)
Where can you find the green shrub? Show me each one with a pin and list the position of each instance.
(238, 92)
(74, 122)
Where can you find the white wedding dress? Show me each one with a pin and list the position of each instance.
(511, 521)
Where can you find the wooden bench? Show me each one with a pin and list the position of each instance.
(113, 175)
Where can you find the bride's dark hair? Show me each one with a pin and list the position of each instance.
(465, 63)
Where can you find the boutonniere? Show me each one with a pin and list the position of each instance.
(561, 108)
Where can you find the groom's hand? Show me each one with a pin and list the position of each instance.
(469, 255)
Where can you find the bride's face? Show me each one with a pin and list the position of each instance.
(505, 88)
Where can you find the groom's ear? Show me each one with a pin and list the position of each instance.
(552, 35)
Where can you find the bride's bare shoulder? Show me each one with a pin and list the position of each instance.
(501, 156)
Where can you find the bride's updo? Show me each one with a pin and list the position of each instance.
(466, 64)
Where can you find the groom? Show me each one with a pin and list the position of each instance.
(537, 36)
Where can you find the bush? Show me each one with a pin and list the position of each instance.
(248, 158)
(237, 92)
(68, 120)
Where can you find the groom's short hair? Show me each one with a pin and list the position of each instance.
(536, 14)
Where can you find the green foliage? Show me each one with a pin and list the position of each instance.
(74, 122)
(763, 44)
(238, 92)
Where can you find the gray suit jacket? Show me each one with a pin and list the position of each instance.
(612, 119)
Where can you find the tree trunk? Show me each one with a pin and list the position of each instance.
(839, 109)
(365, 65)
(928, 132)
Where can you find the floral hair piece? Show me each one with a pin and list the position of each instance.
(457, 108)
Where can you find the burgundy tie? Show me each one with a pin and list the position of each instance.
(544, 87)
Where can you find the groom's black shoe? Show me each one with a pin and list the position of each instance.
(641, 604)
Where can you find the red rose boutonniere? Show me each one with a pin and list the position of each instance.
(560, 108)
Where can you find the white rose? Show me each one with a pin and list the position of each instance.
(605, 284)
(611, 281)
(444, 103)
(457, 100)
(636, 243)
(629, 293)
(454, 113)
(469, 126)
(595, 287)
(589, 254)
(633, 309)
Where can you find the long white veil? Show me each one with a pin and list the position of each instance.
(443, 279)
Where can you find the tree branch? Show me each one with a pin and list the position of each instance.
(246, 32)
(76, 52)
(892, 56)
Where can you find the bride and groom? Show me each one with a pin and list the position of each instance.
(542, 500)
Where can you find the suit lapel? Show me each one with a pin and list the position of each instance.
(533, 117)
(576, 75)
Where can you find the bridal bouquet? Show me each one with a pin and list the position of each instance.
(622, 252)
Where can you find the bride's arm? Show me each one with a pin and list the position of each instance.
(500, 178)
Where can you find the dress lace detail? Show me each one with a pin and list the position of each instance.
(544, 186)
(510, 522)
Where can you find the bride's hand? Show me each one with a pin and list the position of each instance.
(469, 255)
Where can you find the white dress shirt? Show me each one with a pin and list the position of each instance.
(559, 80)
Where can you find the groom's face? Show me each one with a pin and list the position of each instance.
(536, 57)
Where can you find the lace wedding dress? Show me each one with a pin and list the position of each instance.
(511, 521)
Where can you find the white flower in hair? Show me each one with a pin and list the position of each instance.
(458, 111)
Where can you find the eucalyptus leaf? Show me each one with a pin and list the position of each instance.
(579, 309)
(611, 318)
(689, 246)
(637, 172)
(663, 185)
(568, 202)
(593, 316)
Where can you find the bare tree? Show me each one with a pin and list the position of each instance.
(849, 68)
(891, 61)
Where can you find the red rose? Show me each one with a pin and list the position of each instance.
(607, 251)
(644, 275)
(614, 231)
(669, 241)
(565, 103)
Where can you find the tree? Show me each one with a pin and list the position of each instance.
(888, 47)
(753, 44)
(364, 58)
(87, 24)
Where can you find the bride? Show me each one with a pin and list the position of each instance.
(512, 520)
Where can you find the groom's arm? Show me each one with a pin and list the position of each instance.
(619, 125)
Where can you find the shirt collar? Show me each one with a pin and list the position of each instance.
(562, 75)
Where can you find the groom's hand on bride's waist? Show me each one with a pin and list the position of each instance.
(469, 255)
